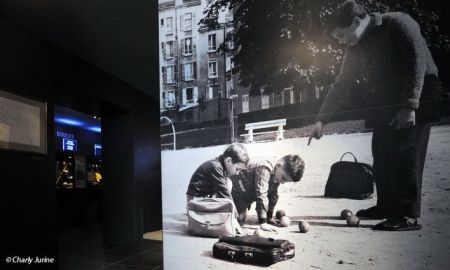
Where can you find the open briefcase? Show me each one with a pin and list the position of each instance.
(252, 249)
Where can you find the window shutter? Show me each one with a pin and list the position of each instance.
(193, 21)
(195, 95)
(227, 64)
(183, 47)
(194, 67)
(164, 71)
(172, 54)
(163, 49)
(209, 69)
(193, 45)
(183, 97)
(175, 72)
(181, 23)
(183, 72)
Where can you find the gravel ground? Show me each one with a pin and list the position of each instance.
(329, 244)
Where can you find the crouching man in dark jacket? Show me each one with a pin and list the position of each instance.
(212, 178)
(388, 61)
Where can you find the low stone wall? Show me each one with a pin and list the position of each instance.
(218, 135)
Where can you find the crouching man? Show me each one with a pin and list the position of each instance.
(212, 178)
(259, 182)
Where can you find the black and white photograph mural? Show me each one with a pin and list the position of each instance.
(305, 134)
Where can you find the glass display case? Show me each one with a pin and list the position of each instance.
(65, 171)
(70, 170)
(94, 172)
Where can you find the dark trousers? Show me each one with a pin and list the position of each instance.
(398, 161)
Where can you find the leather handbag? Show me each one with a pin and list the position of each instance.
(253, 250)
(212, 217)
(351, 180)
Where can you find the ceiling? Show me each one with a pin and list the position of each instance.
(118, 36)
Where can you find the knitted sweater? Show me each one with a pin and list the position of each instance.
(387, 67)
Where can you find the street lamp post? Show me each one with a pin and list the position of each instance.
(231, 99)
(173, 131)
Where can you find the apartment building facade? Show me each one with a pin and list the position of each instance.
(193, 81)
(196, 80)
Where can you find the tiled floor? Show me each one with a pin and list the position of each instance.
(83, 249)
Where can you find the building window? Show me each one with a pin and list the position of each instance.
(188, 21)
(187, 50)
(212, 69)
(189, 96)
(265, 102)
(212, 42)
(230, 86)
(169, 98)
(162, 23)
(229, 63)
(210, 94)
(168, 49)
(169, 25)
(245, 107)
(189, 71)
(170, 74)
(213, 90)
(230, 44)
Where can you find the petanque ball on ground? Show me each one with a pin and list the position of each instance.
(353, 221)
(259, 232)
(285, 221)
(346, 213)
(280, 213)
(303, 226)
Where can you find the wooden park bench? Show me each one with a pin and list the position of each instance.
(251, 127)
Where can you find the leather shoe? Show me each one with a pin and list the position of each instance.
(398, 224)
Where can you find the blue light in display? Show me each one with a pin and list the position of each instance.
(78, 123)
(68, 121)
(95, 129)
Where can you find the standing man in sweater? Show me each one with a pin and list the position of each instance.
(388, 61)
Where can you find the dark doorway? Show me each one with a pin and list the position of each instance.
(79, 168)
